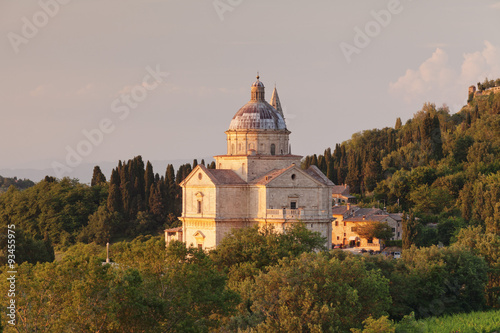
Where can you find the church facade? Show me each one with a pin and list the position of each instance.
(257, 182)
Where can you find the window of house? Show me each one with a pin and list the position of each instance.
(273, 149)
(398, 234)
(338, 238)
(393, 229)
(200, 246)
(293, 204)
(199, 207)
(200, 176)
(336, 223)
(311, 225)
(370, 240)
(344, 234)
(345, 224)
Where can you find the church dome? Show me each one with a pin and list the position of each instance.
(257, 113)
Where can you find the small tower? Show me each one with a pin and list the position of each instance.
(275, 102)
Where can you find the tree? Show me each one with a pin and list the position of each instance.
(97, 176)
(486, 245)
(247, 251)
(410, 230)
(398, 124)
(115, 203)
(149, 180)
(372, 229)
(317, 293)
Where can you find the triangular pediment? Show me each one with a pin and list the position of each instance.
(289, 176)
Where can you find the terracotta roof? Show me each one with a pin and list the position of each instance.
(341, 189)
(339, 210)
(316, 173)
(224, 177)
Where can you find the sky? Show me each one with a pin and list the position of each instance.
(92, 82)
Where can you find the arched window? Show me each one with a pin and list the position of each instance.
(273, 149)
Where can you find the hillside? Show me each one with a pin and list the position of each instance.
(444, 167)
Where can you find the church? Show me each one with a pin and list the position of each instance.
(257, 182)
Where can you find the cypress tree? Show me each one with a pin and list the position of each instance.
(398, 124)
(149, 180)
(97, 176)
(410, 229)
(114, 203)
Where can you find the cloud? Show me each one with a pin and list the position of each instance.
(85, 90)
(436, 79)
(40, 91)
(495, 5)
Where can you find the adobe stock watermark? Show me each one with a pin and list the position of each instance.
(363, 37)
(223, 6)
(31, 27)
(121, 107)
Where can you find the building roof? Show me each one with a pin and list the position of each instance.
(339, 210)
(341, 189)
(224, 177)
(257, 114)
(397, 216)
(316, 173)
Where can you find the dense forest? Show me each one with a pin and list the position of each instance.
(444, 168)
(441, 170)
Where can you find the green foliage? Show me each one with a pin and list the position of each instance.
(370, 230)
(97, 177)
(444, 281)
(380, 325)
(250, 250)
(486, 245)
(410, 230)
(139, 292)
(487, 322)
(27, 248)
(54, 210)
(318, 293)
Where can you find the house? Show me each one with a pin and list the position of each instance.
(348, 218)
(341, 194)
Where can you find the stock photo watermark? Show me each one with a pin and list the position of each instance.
(31, 27)
(11, 279)
(121, 106)
(223, 6)
(363, 37)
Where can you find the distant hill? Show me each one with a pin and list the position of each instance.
(20, 184)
